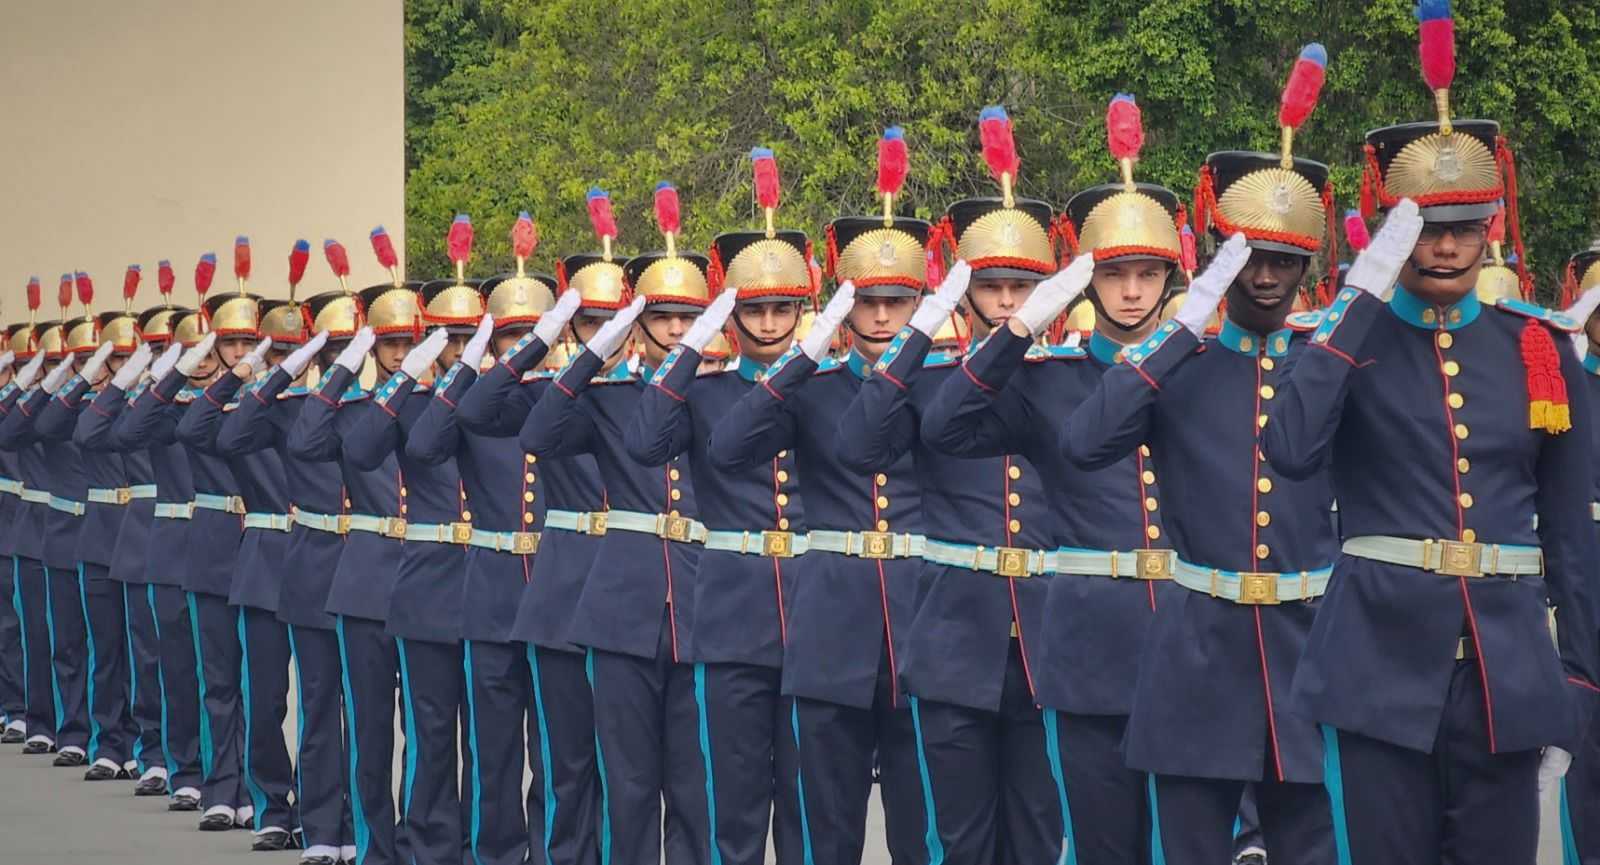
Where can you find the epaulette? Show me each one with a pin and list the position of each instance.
(1558, 320)
(1302, 322)
(1039, 353)
(674, 357)
(1334, 315)
(386, 391)
(893, 349)
(354, 393)
(443, 383)
(1138, 353)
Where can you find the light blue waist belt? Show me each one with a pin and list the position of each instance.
(389, 527)
(438, 533)
(38, 497)
(11, 485)
(1253, 588)
(333, 524)
(142, 491)
(213, 502)
(1116, 564)
(681, 530)
(275, 522)
(773, 544)
(174, 510)
(582, 522)
(110, 495)
(518, 543)
(868, 545)
(1003, 561)
(66, 506)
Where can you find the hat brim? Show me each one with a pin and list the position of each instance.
(888, 289)
(1137, 256)
(1277, 246)
(1007, 273)
(769, 298)
(672, 306)
(1459, 212)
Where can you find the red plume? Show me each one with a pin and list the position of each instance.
(383, 247)
(1497, 226)
(999, 148)
(337, 259)
(1436, 44)
(241, 257)
(1355, 231)
(204, 271)
(1305, 84)
(1124, 127)
(892, 161)
(164, 278)
(524, 236)
(459, 241)
(1189, 259)
(85, 288)
(766, 175)
(668, 218)
(600, 213)
(130, 282)
(298, 256)
(34, 292)
(64, 293)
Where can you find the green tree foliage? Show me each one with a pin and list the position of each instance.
(524, 104)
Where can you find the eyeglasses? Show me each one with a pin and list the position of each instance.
(1465, 233)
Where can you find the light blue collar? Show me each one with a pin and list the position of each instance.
(1235, 338)
(857, 364)
(1419, 313)
(620, 372)
(645, 372)
(1104, 349)
(749, 370)
(1591, 362)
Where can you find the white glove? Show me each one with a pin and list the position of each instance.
(1579, 312)
(165, 362)
(6, 360)
(609, 337)
(935, 309)
(128, 375)
(548, 329)
(96, 364)
(190, 360)
(710, 322)
(355, 354)
(300, 358)
(257, 358)
(421, 357)
(30, 371)
(820, 337)
(472, 354)
(1553, 767)
(1054, 294)
(58, 376)
(1208, 288)
(1378, 266)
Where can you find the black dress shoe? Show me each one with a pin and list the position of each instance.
(38, 747)
(97, 772)
(68, 759)
(12, 737)
(271, 839)
(184, 802)
(216, 823)
(1251, 858)
(318, 860)
(152, 786)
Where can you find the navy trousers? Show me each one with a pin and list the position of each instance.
(747, 744)
(1247, 833)
(496, 683)
(69, 657)
(111, 728)
(1580, 801)
(1106, 805)
(216, 644)
(648, 750)
(1460, 805)
(144, 676)
(180, 688)
(264, 692)
(13, 693)
(839, 749)
(1195, 820)
(987, 777)
(564, 800)
(322, 767)
(431, 694)
(38, 677)
(369, 711)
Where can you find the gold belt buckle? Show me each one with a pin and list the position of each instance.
(395, 528)
(1459, 559)
(341, 524)
(123, 495)
(778, 545)
(1152, 564)
(524, 543)
(1011, 562)
(597, 523)
(672, 528)
(877, 545)
(236, 505)
(1258, 589)
(461, 533)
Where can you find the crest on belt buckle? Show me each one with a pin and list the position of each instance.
(124, 495)
(1258, 589)
(342, 524)
(778, 545)
(597, 523)
(461, 533)
(674, 528)
(396, 528)
(1460, 559)
(1152, 564)
(524, 543)
(1011, 562)
(877, 545)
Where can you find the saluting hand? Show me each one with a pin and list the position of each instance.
(254, 362)
(548, 330)
(420, 359)
(58, 376)
(355, 354)
(190, 360)
(710, 322)
(936, 308)
(609, 337)
(820, 337)
(478, 345)
(1378, 266)
(165, 362)
(1208, 288)
(1051, 296)
(94, 368)
(300, 358)
(30, 371)
(6, 360)
(128, 375)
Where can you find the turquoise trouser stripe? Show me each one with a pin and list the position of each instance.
(358, 816)
(600, 765)
(800, 785)
(1333, 780)
(410, 725)
(1158, 856)
(50, 629)
(257, 797)
(299, 719)
(1569, 842)
(161, 680)
(477, 758)
(133, 678)
(544, 751)
(705, 754)
(1052, 751)
(206, 755)
(88, 637)
(16, 604)
(931, 836)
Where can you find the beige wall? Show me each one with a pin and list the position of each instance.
(136, 130)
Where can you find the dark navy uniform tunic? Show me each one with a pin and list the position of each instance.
(93, 436)
(102, 469)
(63, 477)
(151, 422)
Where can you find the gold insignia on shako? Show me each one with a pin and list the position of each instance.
(1275, 199)
(1441, 163)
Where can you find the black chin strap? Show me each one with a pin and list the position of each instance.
(1100, 310)
(652, 340)
(745, 334)
(1436, 272)
(987, 321)
(864, 338)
